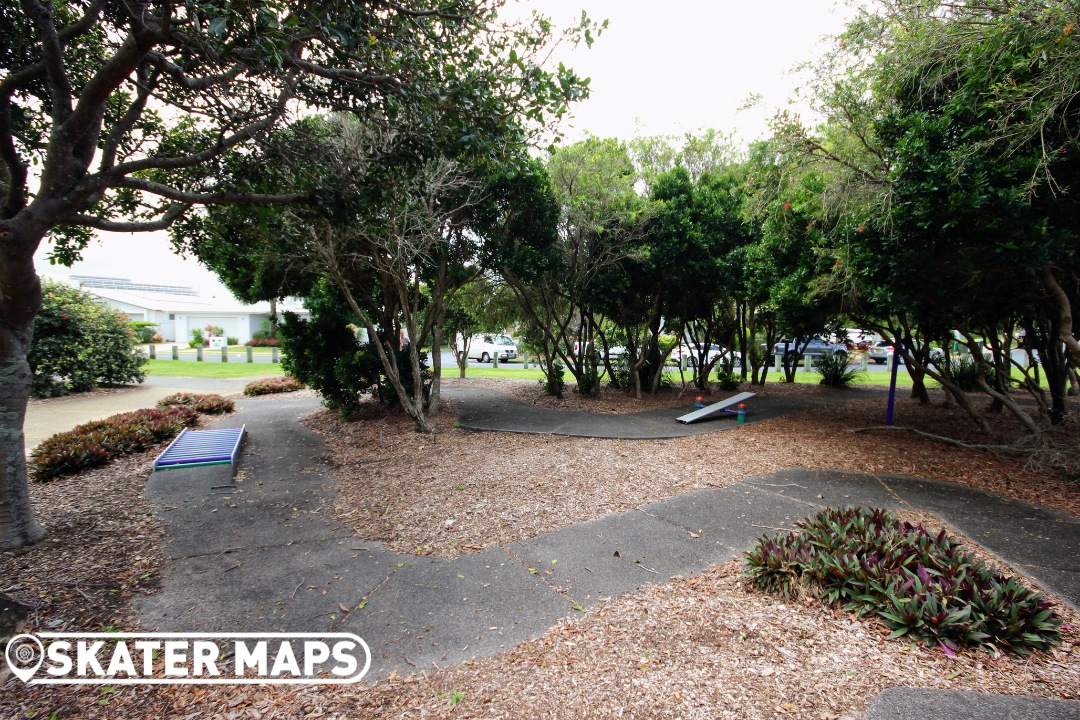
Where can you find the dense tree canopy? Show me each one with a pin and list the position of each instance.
(123, 117)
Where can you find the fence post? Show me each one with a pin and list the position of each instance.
(249, 358)
(495, 360)
(153, 351)
(198, 353)
(224, 353)
(778, 362)
(525, 358)
(806, 362)
(865, 361)
(273, 355)
(175, 352)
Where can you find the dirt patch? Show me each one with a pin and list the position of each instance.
(458, 491)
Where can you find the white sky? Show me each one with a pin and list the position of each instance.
(661, 68)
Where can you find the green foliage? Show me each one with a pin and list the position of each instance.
(197, 339)
(588, 381)
(964, 371)
(143, 329)
(270, 386)
(265, 332)
(919, 585)
(554, 382)
(79, 344)
(96, 443)
(208, 404)
(325, 353)
(727, 380)
(263, 342)
(835, 371)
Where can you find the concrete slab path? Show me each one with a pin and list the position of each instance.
(45, 419)
(263, 551)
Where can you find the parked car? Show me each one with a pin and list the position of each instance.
(692, 352)
(484, 347)
(883, 351)
(862, 340)
(816, 347)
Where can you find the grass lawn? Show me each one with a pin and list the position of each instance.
(517, 372)
(216, 369)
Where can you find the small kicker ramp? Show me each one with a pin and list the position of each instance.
(193, 448)
(710, 410)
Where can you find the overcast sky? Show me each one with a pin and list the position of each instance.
(660, 68)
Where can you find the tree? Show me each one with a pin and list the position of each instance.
(593, 182)
(978, 138)
(126, 113)
(482, 304)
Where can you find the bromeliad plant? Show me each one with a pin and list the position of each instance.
(269, 386)
(208, 403)
(918, 584)
(98, 442)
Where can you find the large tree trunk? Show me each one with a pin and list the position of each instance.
(20, 299)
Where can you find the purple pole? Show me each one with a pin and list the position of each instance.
(892, 388)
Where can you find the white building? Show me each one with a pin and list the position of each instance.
(178, 310)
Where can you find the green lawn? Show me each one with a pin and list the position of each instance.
(214, 369)
(517, 372)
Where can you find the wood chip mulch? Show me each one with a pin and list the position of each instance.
(707, 646)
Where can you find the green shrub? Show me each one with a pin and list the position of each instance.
(143, 329)
(197, 339)
(964, 371)
(96, 443)
(554, 382)
(589, 382)
(79, 344)
(918, 584)
(835, 371)
(232, 341)
(324, 353)
(269, 386)
(208, 403)
(727, 380)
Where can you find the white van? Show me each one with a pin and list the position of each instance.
(486, 346)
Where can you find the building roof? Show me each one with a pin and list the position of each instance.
(168, 302)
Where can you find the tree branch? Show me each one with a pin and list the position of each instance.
(124, 124)
(178, 76)
(1061, 299)
(52, 51)
(203, 198)
(175, 211)
(240, 136)
(939, 438)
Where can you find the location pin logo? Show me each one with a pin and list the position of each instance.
(25, 654)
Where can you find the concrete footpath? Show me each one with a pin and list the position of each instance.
(45, 419)
(264, 552)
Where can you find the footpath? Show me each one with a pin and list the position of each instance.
(264, 552)
(46, 418)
